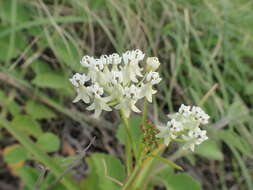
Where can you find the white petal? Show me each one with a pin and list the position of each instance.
(77, 98)
(167, 141)
(91, 107)
(97, 113)
(149, 97)
(135, 109)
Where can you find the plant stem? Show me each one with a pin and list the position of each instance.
(145, 111)
(39, 155)
(128, 143)
(145, 167)
(144, 118)
(131, 178)
(135, 180)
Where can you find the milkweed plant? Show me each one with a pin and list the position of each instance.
(119, 82)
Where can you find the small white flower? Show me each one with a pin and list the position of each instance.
(198, 135)
(98, 64)
(147, 91)
(175, 126)
(185, 110)
(115, 59)
(200, 115)
(99, 104)
(96, 90)
(117, 92)
(127, 56)
(132, 92)
(87, 61)
(126, 105)
(132, 69)
(152, 63)
(139, 55)
(82, 94)
(165, 134)
(153, 78)
(79, 79)
(105, 59)
(116, 77)
(170, 132)
(194, 137)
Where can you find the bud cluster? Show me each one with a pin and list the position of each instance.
(149, 132)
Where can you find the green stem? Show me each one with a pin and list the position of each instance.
(145, 168)
(39, 155)
(131, 178)
(144, 118)
(145, 111)
(128, 143)
(137, 177)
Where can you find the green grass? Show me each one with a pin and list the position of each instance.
(199, 43)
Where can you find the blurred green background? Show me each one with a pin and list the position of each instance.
(206, 52)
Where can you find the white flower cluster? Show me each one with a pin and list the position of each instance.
(116, 81)
(185, 125)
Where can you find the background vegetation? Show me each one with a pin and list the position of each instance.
(205, 48)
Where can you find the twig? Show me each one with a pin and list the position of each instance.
(208, 94)
(73, 164)
(40, 178)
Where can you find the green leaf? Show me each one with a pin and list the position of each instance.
(234, 139)
(64, 162)
(165, 172)
(40, 67)
(48, 142)
(166, 161)
(50, 180)
(162, 175)
(249, 89)
(16, 154)
(96, 4)
(67, 53)
(28, 175)
(20, 44)
(51, 80)
(22, 12)
(98, 178)
(3, 96)
(191, 158)
(134, 123)
(182, 181)
(210, 150)
(236, 117)
(10, 105)
(39, 111)
(13, 108)
(27, 125)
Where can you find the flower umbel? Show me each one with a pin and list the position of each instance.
(185, 126)
(117, 81)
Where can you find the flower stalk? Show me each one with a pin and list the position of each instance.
(128, 145)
